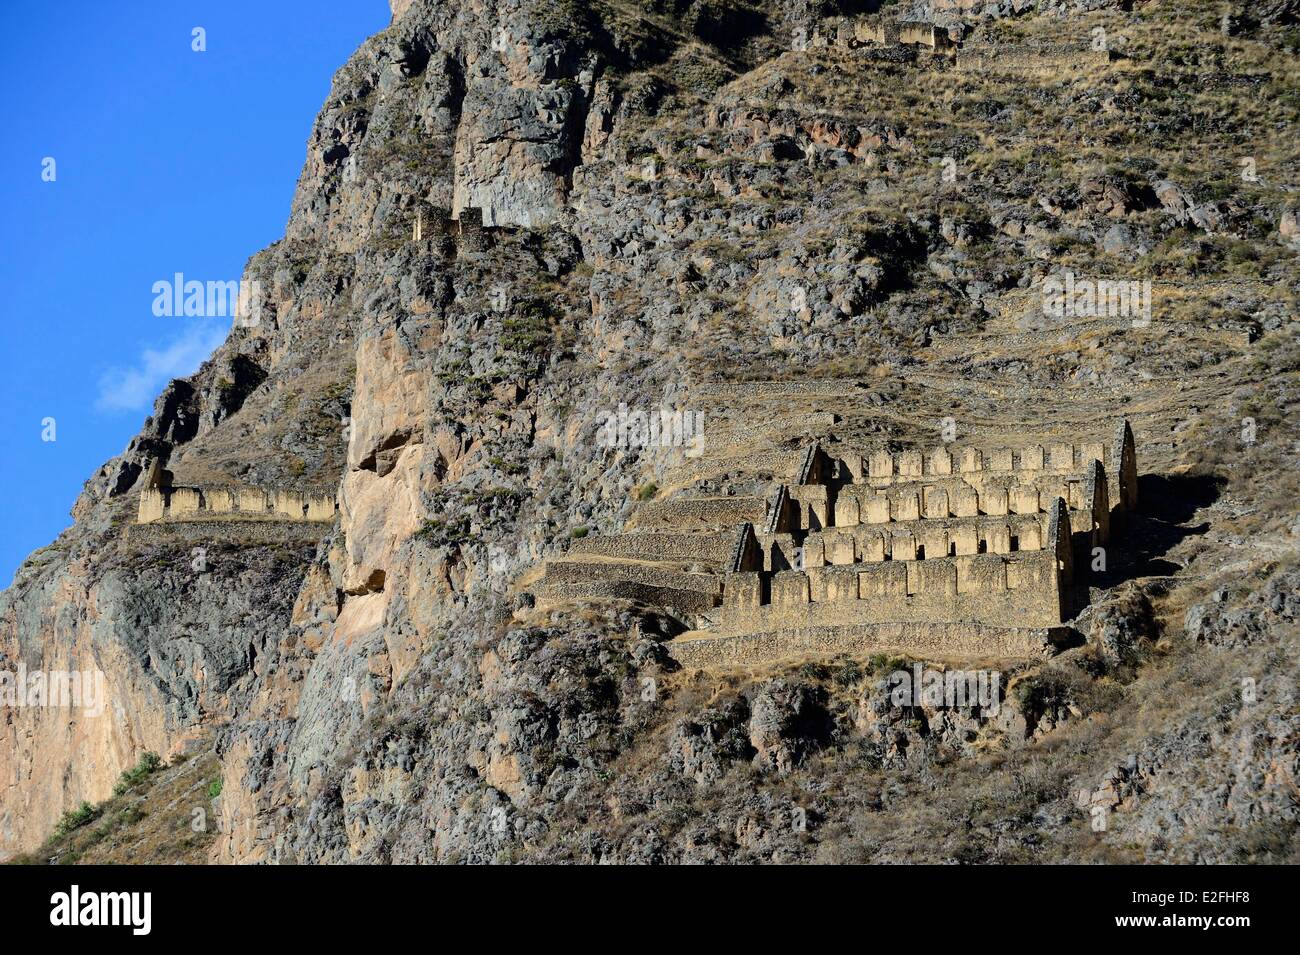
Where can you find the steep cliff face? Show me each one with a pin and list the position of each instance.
(515, 215)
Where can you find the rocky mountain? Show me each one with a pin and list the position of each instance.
(516, 215)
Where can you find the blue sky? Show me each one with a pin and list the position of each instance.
(166, 160)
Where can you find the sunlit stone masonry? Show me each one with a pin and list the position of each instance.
(161, 502)
(953, 552)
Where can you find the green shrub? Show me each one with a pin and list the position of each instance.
(439, 533)
(129, 816)
(214, 789)
(76, 818)
(529, 333)
(149, 764)
(510, 468)
(879, 663)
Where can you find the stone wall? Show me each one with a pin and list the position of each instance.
(222, 531)
(231, 503)
(711, 549)
(918, 540)
(728, 391)
(699, 513)
(748, 553)
(861, 139)
(1027, 58)
(968, 570)
(1121, 466)
(857, 504)
(881, 468)
(153, 506)
(882, 31)
(969, 550)
(685, 601)
(995, 467)
(938, 642)
(911, 540)
(990, 589)
(580, 571)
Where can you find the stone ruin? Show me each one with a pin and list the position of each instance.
(161, 502)
(949, 42)
(883, 31)
(973, 553)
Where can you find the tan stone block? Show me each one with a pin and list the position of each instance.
(1020, 575)
(1031, 537)
(184, 502)
(993, 501)
(936, 503)
(878, 509)
(289, 504)
(790, 589)
(1023, 499)
(320, 508)
(847, 511)
(967, 539)
(814, 551)
(940, 461)
(881, 580)
(934, 540)
(981, 575)
(881, 465)
(905, 507)
(742, 590)
(935, 577)
(902, 546)
(872, 547)
(964, 501)
(1060, 457)
(839, 549)
(152, 507)
(1077, 499)
(839, 584)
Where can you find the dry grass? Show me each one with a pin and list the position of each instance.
(152, 822)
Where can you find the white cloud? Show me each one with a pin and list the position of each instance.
(135, 388)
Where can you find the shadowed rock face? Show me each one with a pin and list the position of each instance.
(515, 217)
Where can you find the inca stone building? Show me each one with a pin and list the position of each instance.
(161, 502)
(965, 553)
